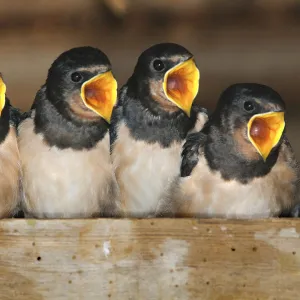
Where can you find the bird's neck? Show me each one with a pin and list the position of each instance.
(223, 154)
(60, 131)
(4, 121)
(156, 126)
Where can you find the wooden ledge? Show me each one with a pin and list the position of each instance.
(149, 259)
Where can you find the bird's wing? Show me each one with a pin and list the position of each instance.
(190, 152)
(15, 115)
(202, 115)
(116, 116)
(294, 210)
(29, 114)
(199, 109)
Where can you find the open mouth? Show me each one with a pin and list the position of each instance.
(181, 84)
(2, 94)
(100, 94)
(265, 131)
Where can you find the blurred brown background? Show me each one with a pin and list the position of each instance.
(233, 41)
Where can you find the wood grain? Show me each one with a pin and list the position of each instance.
(149, 259)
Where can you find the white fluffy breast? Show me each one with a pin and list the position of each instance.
(206, 194)
(144, 172)
(63, 183)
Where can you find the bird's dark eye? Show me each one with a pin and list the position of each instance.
(158, 65)
(76, 77)
(249, 106)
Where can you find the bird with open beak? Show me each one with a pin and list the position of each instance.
(240, 165)
(10, 170)
(154, 114)
(64, 141)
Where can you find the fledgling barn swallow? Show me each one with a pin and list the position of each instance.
(154, 113)
(240, 165)
(10, 170)
(64, 141)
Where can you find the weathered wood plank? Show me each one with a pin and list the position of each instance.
(149, 259)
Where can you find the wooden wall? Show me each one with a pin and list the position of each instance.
(155, 259)
(233, 41)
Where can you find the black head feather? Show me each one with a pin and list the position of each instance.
(169, 54)
(150, 120)
(60, 83)
(220, 145)
(54, 118)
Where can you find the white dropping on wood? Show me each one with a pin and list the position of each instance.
(289, 233)
(175, 252)
(274, 238)
(106, 248)
(223, 228)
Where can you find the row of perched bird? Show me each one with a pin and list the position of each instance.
(86, 149)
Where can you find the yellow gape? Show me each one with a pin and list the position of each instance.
(100, 94)
(2, 94)
(265, 131)
(181, 84)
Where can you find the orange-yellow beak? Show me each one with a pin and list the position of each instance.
(100, 94)
(265, 131)
(181, 84)
(2, 94)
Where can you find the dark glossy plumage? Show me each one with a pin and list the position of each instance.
(190, 152)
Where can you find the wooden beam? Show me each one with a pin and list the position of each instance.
(149, 259)
(18, 11)
(35, 8)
